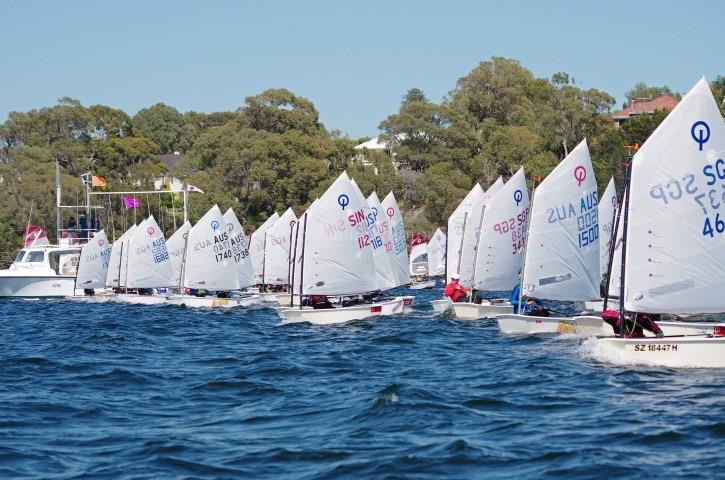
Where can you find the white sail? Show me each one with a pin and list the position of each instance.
(296, 247)
(94, 261)
(149, 262)
(382, 242)
(277, 249)
(337, 258)
(676, 227)
(472, 233)
(419, 259)
(211, 249)
(562, 251)
(119, 256)
(615, 268)
(256, 246)
(176, 245)
(460, 220)
(399, 259)
(607, 204)
(503, 231)
(240, 247)
(437, 254)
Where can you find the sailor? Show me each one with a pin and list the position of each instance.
(83, 224)
(634, 323)
(319, 301)
(529, 305)
(455, 290)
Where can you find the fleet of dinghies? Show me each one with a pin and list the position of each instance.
(657, 250)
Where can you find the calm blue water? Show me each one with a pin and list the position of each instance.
(113, 391)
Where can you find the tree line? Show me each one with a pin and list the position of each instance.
(273, 152)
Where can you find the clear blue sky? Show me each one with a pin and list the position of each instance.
(354, 60)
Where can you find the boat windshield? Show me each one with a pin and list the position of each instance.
(20, 256)
(35, 256)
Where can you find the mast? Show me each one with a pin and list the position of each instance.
(264, 259)
(616, 214)
(460, 247)
(182, 277)
(302, 264)
(627, 180)
(526, 244)
(475, 257)
(294, 262)
(289, 256)
(58, 219)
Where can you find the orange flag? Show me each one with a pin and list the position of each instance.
(98, 181)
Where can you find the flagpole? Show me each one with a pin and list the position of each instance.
(186, 197)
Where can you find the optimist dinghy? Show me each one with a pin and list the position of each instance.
(216, 259)
(93, 268)
(336, 258)
(561, 259)
(674, 233)
(456, 256)
(499, 248)
(147, 265)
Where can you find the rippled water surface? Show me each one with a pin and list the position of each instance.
(119, 391)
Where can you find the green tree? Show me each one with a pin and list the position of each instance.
(166, 127)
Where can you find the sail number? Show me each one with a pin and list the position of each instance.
(517, 227)
(717, 225)
(640, 347)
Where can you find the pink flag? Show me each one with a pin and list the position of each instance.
(194, 189)
(35, 235)
(131, 202)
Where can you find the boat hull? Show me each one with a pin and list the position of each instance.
(473, 311)
(36, 286)
(136, 299)
(422, 285)
(531, 325)
(441, 306)
(695, 351)
(331, 316)
(191, 301)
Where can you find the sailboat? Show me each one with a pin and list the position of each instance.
(457, 223)
(176, 244)
(93, 267)
(607, 208)
(437, 254)
(498, 252)
(419, 263)
(673, 232)
(147, 265)
(336, 258)
(469, 247)
(256, 247)
(216, 259)
(561, 257)
(277, 262)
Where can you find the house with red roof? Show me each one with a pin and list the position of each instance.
(645, 107)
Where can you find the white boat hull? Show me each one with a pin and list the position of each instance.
(136, 299)
(36, 286)
(422, 285)
(191, 301)
(696, 351)
(529, 324)
(441, 306)
(331, 316)
(473, 311)
(101, 297)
